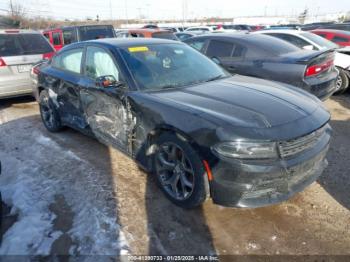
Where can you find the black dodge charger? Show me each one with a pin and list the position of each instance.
(243, 141)
(270, 58)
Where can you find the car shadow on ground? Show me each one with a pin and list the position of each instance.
(70, 171)
(338, 157)
(343, 99)
(174, 230)
(8, 102)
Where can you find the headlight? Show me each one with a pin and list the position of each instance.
(247, 150)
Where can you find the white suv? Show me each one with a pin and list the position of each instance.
(19, 50)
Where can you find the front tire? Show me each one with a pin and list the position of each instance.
(48, 112)
(179, 171)
(342, 81)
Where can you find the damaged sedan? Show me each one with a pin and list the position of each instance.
(242, 141)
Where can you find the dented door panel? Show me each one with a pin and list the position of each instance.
(105, 113)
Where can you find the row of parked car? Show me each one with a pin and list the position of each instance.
(298, 58)
(230, 134)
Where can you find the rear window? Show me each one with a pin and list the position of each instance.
(272, 45)
(23, 44)
(95, 32)
(165, 35)
(324, 43)
(339, 39)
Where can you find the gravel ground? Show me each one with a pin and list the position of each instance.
(80, 197)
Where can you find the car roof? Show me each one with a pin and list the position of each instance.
(123, 42)
(148, 30)
(18, 31)
(283, 31)
(73, 26)
(236, 35)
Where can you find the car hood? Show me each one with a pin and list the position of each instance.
(244, 101)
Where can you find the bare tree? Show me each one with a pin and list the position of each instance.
(16, 9)
(16, 13)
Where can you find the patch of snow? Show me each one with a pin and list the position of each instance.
(22, 191)
(273, 238)
(30, 182)
(252, 245)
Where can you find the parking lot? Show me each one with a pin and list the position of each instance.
(77, 196)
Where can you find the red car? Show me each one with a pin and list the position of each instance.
(340, 37)
(60, 37)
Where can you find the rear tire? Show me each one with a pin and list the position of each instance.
(179, 171)
(342, 81)
(48, 112)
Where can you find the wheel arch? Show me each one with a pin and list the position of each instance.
(152, 148)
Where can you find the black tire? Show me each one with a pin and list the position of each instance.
(48, 112)
(191, 159)
(342, 81)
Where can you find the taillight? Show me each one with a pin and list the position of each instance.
(48, 56)
(2, 62)
(317, 69)
(35, 70)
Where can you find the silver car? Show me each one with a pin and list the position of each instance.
(19, 50)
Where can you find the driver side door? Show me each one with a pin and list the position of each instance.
(104, 107)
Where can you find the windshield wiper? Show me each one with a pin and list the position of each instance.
(169, 86)
(215, 78)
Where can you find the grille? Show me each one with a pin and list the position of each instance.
(298, 145)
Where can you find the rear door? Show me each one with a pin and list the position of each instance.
(65, 80)
(105, 109)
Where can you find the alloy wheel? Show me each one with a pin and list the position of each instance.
(175, 171)
(47, 112)
(339, 83)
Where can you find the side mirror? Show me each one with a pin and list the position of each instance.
(308, 47)
(216, 60)
(107, 81)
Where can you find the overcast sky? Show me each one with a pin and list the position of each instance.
(174, 9)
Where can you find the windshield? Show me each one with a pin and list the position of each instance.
(318, 40)
(160, 66)
(95, 32)
(23, 44)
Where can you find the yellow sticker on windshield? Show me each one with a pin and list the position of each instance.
(138, 49)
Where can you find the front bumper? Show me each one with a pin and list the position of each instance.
(253, 184)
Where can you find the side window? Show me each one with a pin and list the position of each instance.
(68, 37)
(322, 35)
(99, 63)
(197, 44)
(294, 40)
(339, 39)
(56, 38)
(136, 35)
(47, 36)
(69, 60)
(238, 52)
(219, 49)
